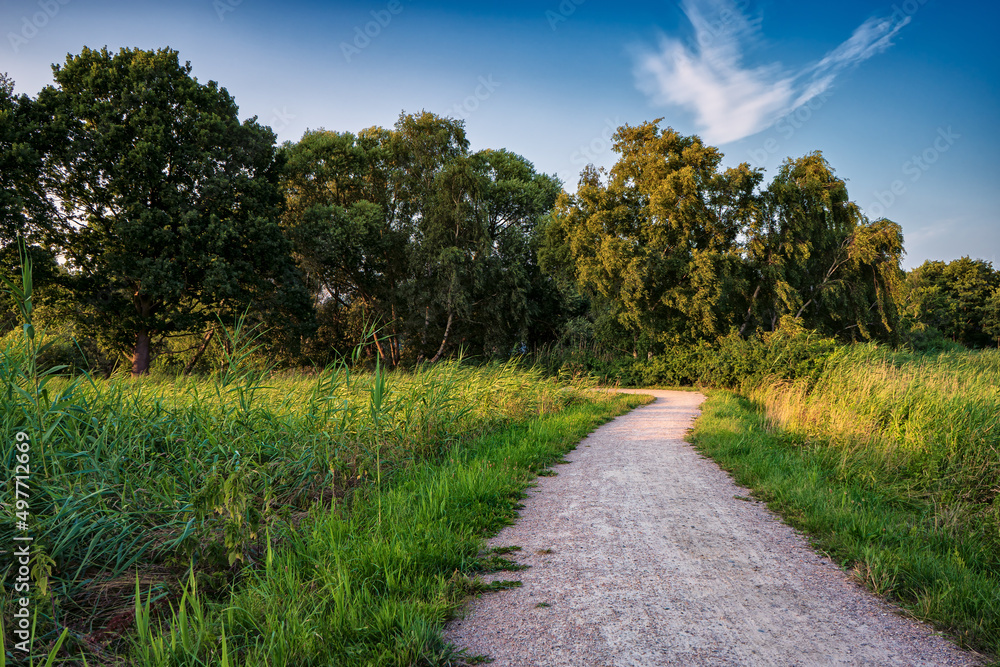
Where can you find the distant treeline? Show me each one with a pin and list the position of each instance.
(152, 216)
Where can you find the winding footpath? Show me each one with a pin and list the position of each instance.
(643, 553)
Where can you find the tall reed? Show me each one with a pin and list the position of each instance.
(928, 422)
(142, 478)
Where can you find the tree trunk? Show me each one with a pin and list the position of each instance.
(753, 300)
(444, 341)
(427, 323)
(394, 343)
(140, 356)
(201, 350)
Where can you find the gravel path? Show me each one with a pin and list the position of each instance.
(642, 554)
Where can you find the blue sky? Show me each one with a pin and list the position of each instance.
(902, 98)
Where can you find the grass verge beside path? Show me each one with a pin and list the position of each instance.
(894, 542)
(375, 586)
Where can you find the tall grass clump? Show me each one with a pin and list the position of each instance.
(929, 421)
(383, 578)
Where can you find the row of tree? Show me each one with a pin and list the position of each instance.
(151, 213)
(672, 248)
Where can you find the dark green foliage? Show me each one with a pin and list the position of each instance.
(957, 300)
(791, 352)
(407, 228)
(25, 213)
(991, 316)
(338, 217)
(173, 202)
(24, 135)
(812, 254)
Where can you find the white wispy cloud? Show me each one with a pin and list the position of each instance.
(730, 100)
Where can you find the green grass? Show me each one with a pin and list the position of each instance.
(928, 541)
(259, 515)
(930, 423)
(387, 587)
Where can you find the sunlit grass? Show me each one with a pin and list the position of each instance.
(929, 423)
(890, 461)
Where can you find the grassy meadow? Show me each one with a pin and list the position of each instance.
(257, 518)
(890, 461)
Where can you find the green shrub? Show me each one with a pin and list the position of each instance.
(791, 352)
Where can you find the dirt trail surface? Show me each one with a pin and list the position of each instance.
(642, 554)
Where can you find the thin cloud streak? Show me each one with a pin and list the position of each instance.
(729, 100)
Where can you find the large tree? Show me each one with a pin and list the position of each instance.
(433, 193)
(671, 247)
(515, 303)
(338, 214)
(656, 243)
(812, 254)
(171, 203)
(410, 227)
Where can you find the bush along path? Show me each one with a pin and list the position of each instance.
(644, 552)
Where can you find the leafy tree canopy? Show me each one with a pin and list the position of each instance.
(678, 249)
(169, 203)
(813, 254)
(432, 240)
(959, 299)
